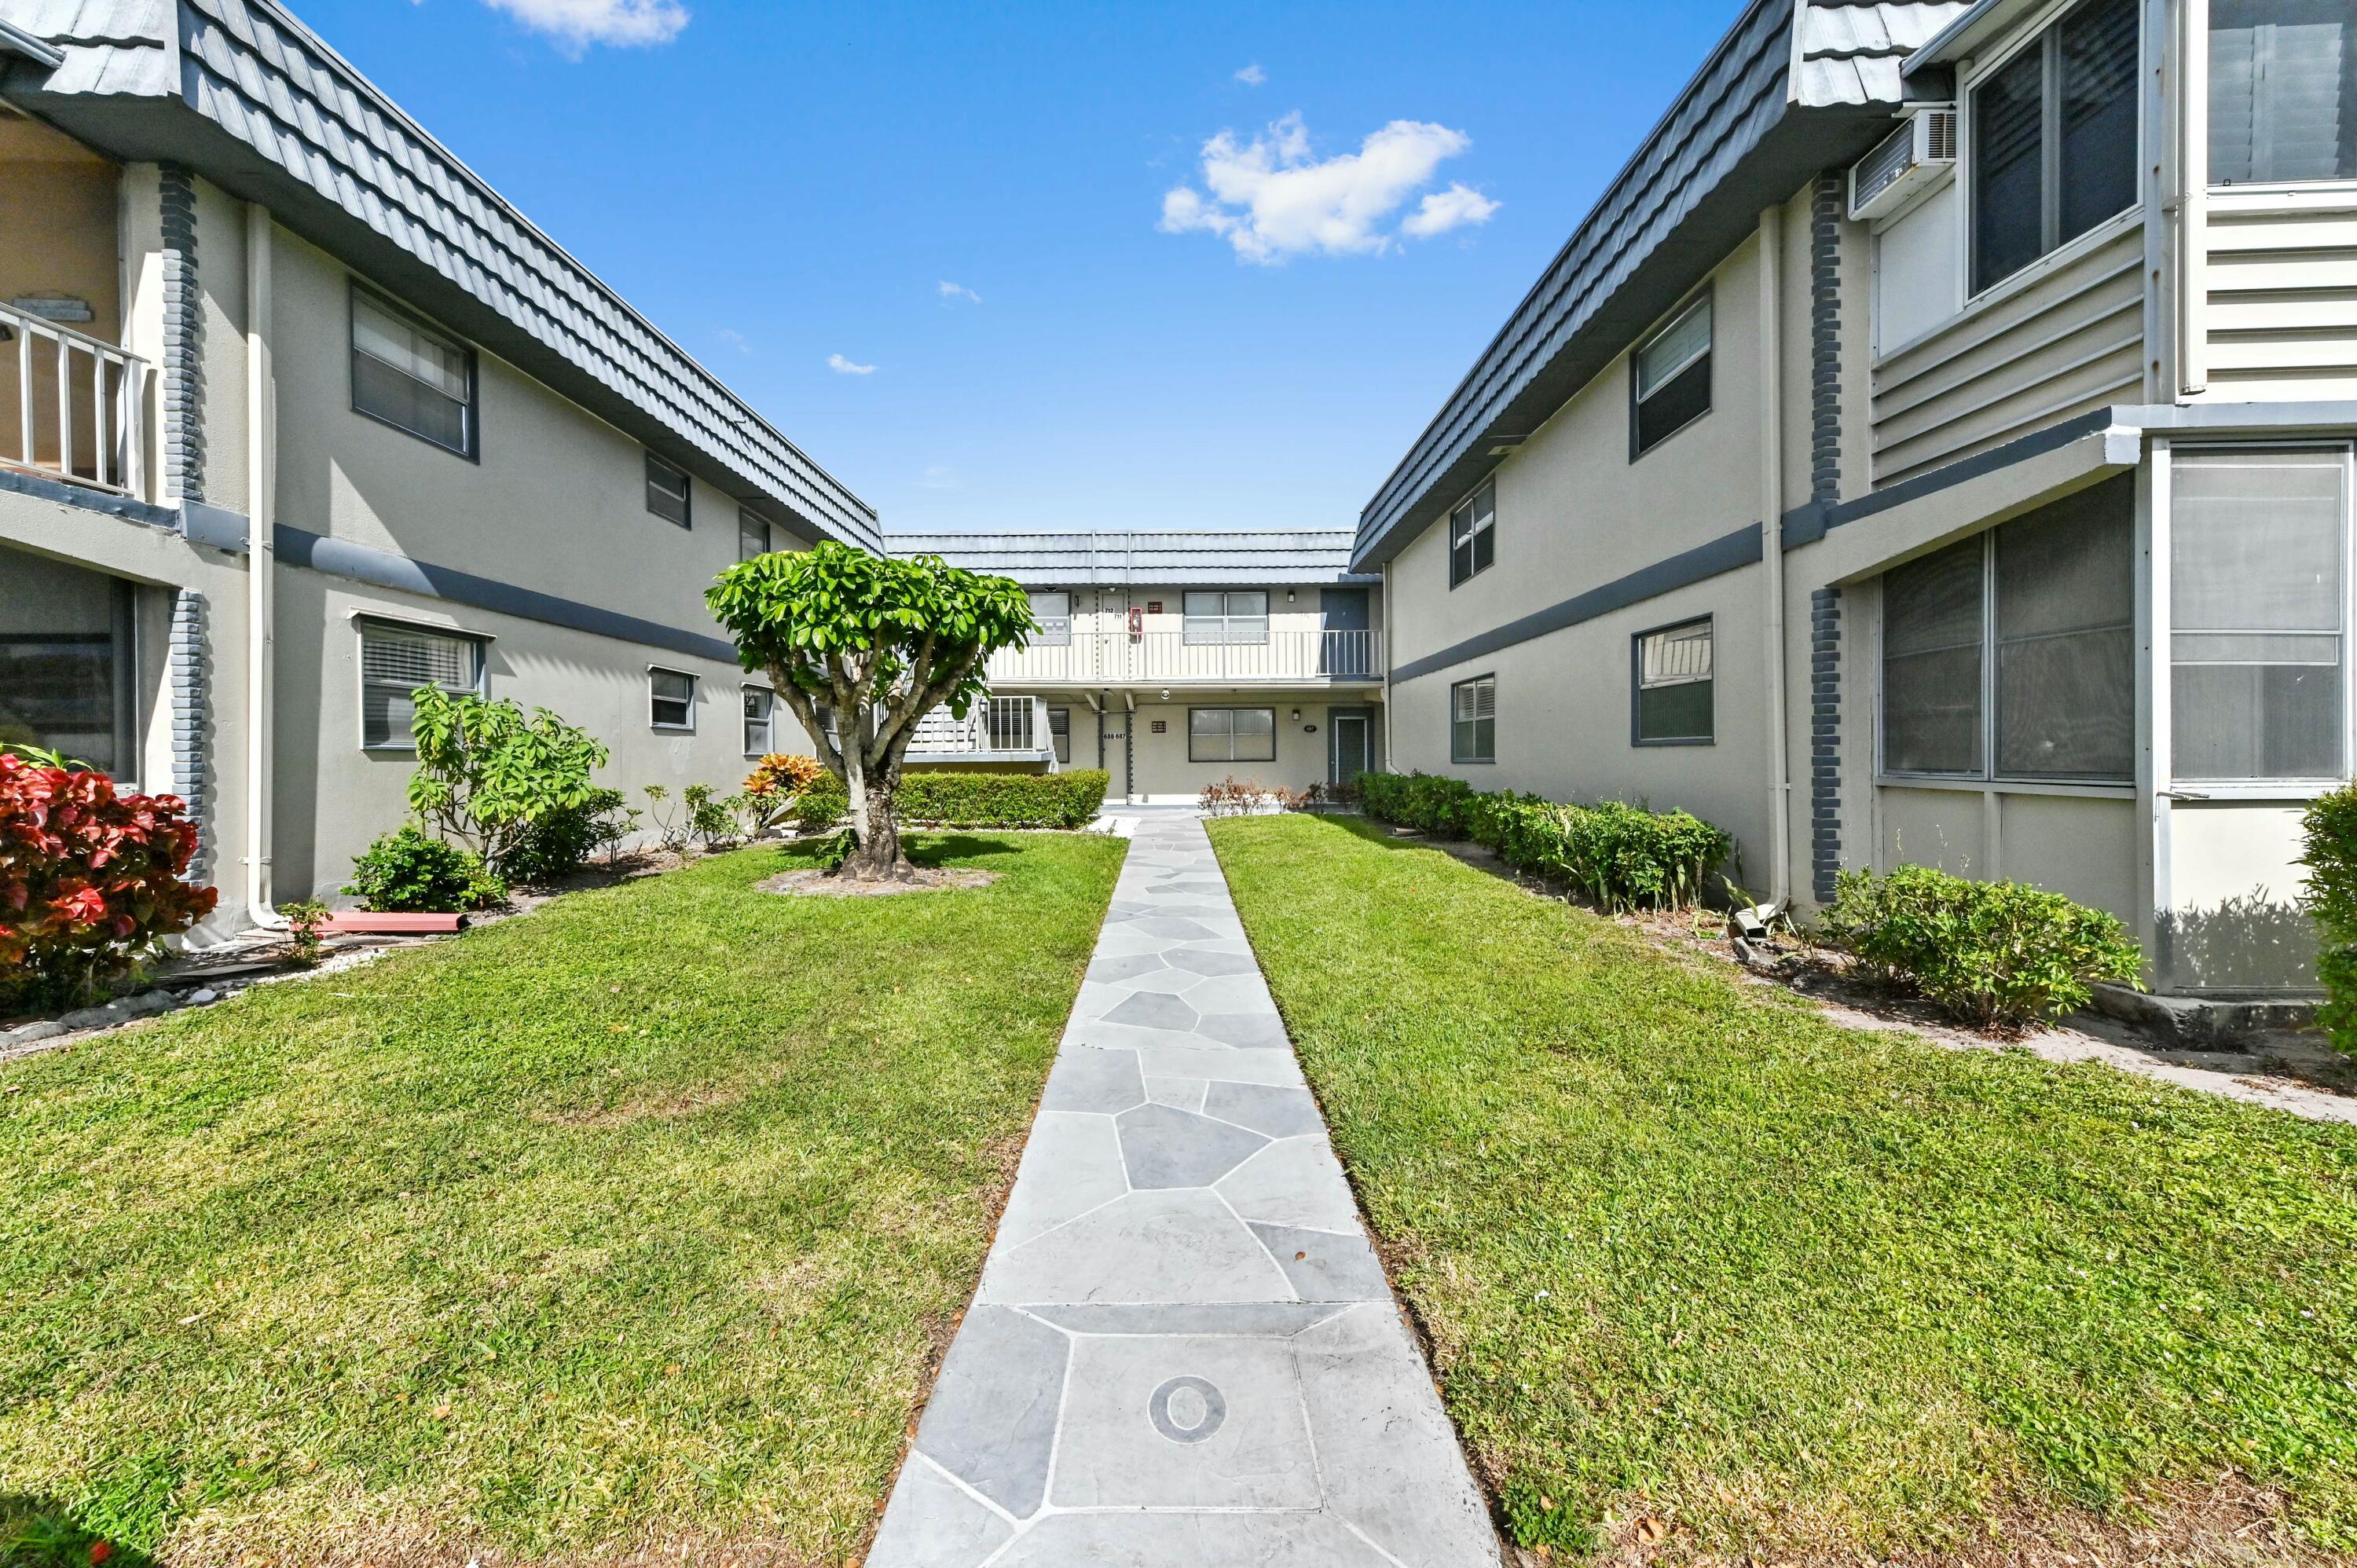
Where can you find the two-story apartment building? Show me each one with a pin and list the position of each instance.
(1935, 446)
(296, 415)
(1176, 660)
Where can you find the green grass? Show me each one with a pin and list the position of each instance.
(1688, 1253)
(631, 1221)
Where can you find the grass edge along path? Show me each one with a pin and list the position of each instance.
(627, 1225)
(1701, 1269)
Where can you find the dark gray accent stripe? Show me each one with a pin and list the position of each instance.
(88, 500)
(1728, 553)
(182, 442)
(383, 569)
(1808, 523)
(1825, 338)
(188, 686)
(1824, 741)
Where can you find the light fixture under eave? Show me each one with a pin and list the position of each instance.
(1502, 444)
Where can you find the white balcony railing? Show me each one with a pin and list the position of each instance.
(997, 726)
(1285, 658)
(71, 406)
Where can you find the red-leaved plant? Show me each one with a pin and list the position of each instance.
(91, 880)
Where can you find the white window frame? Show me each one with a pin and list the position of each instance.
(2032, 33)
(361, 621)
(1064, 752)
(1232, 709)
(1226, 621)
(1053, 635)
(694, 693)
(768, 721)
(2158, 671)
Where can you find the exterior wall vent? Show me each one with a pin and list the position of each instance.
(1908, 162)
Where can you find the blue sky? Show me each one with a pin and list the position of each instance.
(786, 190)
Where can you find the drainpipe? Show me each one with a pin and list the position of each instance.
(1129, 747)
(1771, 545)
(261, 566)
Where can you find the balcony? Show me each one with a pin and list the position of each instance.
(996, 729)
(72, 407)
(1283, 657)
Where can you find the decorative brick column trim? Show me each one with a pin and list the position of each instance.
(1824, 741)
(182, 440)
(187, 683)
(1826, 211)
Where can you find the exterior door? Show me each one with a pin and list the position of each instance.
(1350, 750)
(1346, 650)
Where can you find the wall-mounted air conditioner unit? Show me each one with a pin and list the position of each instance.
(1907, 161)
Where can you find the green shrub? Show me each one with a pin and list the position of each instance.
(1620, 856)
(406, 872)
(1998, 953)
(2330, 829)
(558, 842)
(974, 800)
(486, 773)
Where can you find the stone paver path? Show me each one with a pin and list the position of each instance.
(1183, 1353)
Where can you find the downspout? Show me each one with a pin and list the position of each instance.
(261, 566)
(1129, 747)
(1383, 749)
(1772, 546)
(2192, 180)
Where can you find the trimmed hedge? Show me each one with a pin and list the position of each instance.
(1620, 855)
(973, 800)
(1998, 953)
(2329, 827)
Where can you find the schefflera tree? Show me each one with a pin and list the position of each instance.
(882, 641)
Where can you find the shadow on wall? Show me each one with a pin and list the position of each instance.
(2247, 943)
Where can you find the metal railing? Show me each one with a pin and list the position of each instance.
(997, 724)
(72, 407)
(1090, 657)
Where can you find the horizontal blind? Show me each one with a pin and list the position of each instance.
(399, 657)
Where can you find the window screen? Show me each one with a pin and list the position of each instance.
(2282, 91)
(2066, 640)
(752, 536)
(1473, 534)
(1054, 613)
(1227, 618)
(672, 698)
(1671, 378)
(1932, 662)
(760, 721)
(2055, 139)
(668, 493)
(396, 660)
(1059, 729)
(411, 377)
(2255, 615)
(1473, 720)
(1675, 682)
(1231, 734)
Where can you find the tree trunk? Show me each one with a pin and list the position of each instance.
(876, 852)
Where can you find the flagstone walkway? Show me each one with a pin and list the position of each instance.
(1183, 1351)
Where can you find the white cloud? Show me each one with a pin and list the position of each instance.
(1270, 199)
(844, 367)
(1444, 209)
(577, 24)
(949, 290)
(937, 477)
(1251, 75)
(734, 339)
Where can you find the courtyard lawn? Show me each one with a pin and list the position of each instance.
(1701, 1269)
(630, 1224)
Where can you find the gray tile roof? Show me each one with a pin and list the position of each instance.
(1792, 89)
(246, 95)
(1076, 559)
